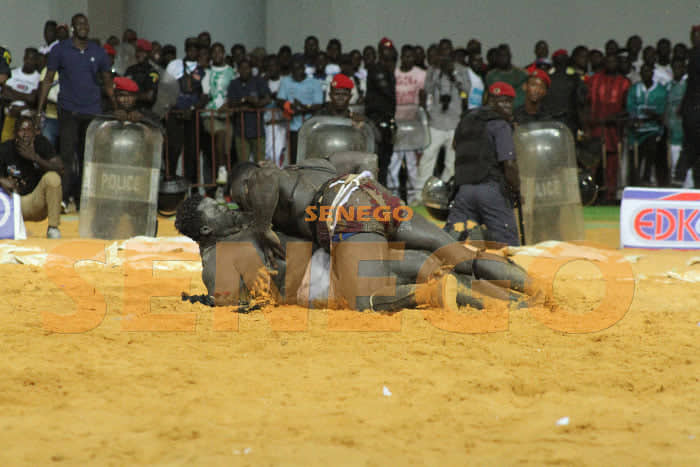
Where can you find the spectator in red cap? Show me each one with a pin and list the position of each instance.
(111, 53)
(145, 74)
(341, 88)
(486, 170)
(566, 94)
(535, 90)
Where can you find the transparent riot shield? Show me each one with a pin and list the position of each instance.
(120, 180)
(549, 182)
(412, 131)
(321, 137)
(126, 56)
(168, 90)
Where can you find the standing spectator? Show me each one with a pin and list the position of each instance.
(542, 60)
(5, 60)
(646, 103)
(579, 58)
(649, 58)
(473, 47)
(275, 127)
(215, 86)
(369, 57)
(673, 120)
(507, 73)
(690, 111)
(50, 40)
(78, 62)
(167, 54)
(663, 58)
(334, 49)
(476, 93)
(62, 32)
(245, 92)
(536, 87)
(145, 75)
(380, 104)
(410, 81)
(433, 55)
(300, 96)
(49, 124)
(634, 47)
(21, 90)
(680, 51)
(204, 40)
(563, 98)
(37, 177)
(420, 57)
(612, 47)
(595, 57)
(181, 126)
(460, 56)
(447, 89)
(284, 56)
(238, 53)
(607, 97)
(311, 51)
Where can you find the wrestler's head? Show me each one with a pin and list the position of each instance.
(205, 221)
(240, 173)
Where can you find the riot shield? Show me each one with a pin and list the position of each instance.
(126, 56)
(120, 180)
(320, 137)
(168, 90)
(549, 182)
(412, 131)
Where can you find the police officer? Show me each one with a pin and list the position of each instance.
(486, 171)
(145, 75)
(380, 103)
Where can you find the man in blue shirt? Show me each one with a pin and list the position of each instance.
(244, 92)
(299, 96)
(78, 62)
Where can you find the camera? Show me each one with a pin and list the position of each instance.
(445, 100)
(14, 172)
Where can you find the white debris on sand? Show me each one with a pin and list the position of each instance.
(564, 421)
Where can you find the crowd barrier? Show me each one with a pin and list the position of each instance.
(264, 117)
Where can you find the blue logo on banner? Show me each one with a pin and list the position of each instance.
(7, 218)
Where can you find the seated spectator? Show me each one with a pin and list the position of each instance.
(646, 103)
(29, 166)
(535, 87)
(145, 75)
(245, 92)
(507, 73)
(215, 86)
(300, 96)
(21, 90)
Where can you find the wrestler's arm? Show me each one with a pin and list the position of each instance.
(262, 200)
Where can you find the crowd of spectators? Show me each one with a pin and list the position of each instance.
(252, 103)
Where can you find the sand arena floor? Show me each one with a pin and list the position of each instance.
(263, 395)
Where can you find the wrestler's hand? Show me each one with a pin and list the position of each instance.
(271, 245)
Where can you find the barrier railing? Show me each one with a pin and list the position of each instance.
(205, 119)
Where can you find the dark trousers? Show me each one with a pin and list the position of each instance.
(690, 156)
(652, 153)
(72, 129)
(385, 148)
(485, 204)
(181, 134)
(293, 141)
